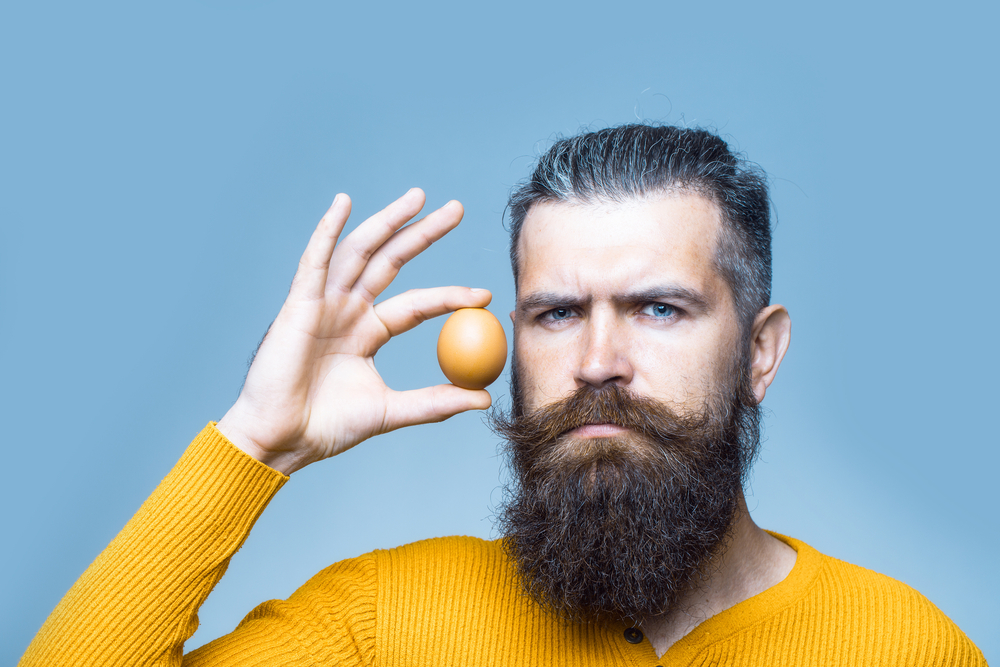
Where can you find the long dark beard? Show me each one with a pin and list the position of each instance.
(618, 528)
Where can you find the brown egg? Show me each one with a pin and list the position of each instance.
(472, 348)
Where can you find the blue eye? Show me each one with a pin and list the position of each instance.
(660, 310)
(560, 313)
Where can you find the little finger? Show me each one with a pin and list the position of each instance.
(310, 278)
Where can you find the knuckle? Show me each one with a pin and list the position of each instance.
(393, 260)
(362, 252)
(417, 314)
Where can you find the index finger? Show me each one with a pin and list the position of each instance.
(405, 311)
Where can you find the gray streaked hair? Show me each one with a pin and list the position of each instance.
(631, 162)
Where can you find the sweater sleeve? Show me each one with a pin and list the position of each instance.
(138, 601)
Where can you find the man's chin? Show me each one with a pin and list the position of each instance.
(598, 431)
(574, 453)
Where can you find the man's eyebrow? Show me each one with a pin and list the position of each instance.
(674, 294)
(549, 300)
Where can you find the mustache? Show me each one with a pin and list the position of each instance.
(657, 434)
(608, 405)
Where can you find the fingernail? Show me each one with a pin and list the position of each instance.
(335, 200)
(477, 289)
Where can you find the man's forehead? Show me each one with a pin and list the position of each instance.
(671, 237)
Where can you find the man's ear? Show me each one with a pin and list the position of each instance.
(771, 333)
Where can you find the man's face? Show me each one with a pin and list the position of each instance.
(623, 294)
(633, 421)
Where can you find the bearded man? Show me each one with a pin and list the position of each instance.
(644, 342)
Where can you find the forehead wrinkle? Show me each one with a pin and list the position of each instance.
(597, 254)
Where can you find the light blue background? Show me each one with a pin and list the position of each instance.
(162, 168)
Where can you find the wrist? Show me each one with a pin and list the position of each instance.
(234, 427)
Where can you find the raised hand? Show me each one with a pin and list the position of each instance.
(312, 390)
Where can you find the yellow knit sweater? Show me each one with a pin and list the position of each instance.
(449, 601)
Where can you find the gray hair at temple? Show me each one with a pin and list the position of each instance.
(636, 161)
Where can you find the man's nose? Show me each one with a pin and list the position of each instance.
(605, 356)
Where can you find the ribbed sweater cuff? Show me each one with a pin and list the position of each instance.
(215, 474)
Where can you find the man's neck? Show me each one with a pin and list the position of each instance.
(753, 562)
